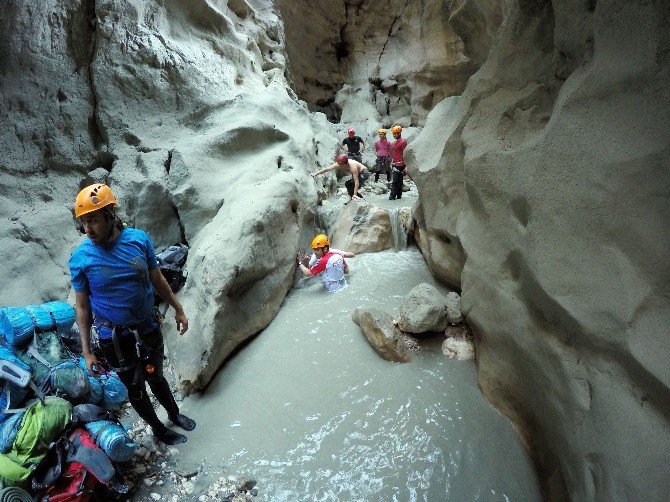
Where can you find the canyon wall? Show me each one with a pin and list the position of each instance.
(543, 167)
(183, 108)
(550, 191)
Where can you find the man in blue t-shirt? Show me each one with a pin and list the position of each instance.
(114, 273)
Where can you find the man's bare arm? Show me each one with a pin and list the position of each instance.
(325, 169)
(163, 289)
(84, 322)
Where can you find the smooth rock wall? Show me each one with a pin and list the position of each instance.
(183, 108)
(397, 59)
(551, 192)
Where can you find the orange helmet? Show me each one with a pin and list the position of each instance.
(92, 198)
(382, 131)
(320, 241)
(396, 129)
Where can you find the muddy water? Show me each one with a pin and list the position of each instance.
(311, 412)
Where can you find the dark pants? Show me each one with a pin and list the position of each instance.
(355, 156)
(362, 178)
(383, 165)
(396, 184)
(135, 377)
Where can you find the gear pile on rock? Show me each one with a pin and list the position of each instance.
(60, 438)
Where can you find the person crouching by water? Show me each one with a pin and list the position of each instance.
(359, 173)
(330, 265)
(114, 273)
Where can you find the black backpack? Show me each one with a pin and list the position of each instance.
(171, 262)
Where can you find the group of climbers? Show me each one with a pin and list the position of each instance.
(329, 263)
(389, 159)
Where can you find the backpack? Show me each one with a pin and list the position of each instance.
(81, 467)
(171, 262)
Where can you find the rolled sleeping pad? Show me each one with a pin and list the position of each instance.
(17, 324)
(15, 494)
(113, 439)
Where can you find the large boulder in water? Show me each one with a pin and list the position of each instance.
(378, 327)
(422, 310)
(363, 228)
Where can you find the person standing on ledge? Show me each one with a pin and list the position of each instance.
(398, 162)
(330, 265)
(359, 173)
(383, 152)
(114, 273)
(352, 145)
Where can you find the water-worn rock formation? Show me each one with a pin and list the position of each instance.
(550, 191)
(184, 110)
(544, 185)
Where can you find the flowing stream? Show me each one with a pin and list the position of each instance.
(311, 412)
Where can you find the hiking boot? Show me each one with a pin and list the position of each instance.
(183, 421)
(168, 436)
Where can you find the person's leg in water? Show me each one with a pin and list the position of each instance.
(133, 379)
(159, 385)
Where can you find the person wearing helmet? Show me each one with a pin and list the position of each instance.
(359, 173)
(352, 145)
(114, 273)
(330, 265)
(383, 152)
(398, 162)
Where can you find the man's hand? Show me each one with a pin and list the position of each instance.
(91, 364)
(182, 321)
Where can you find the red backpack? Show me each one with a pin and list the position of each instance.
(86, 467)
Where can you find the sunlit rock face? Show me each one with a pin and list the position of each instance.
(400, 57)
(550, 191)
(183, 108)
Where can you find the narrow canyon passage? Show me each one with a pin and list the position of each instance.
(311, 412)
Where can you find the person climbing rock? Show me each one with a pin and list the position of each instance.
(398, 162)
(359, 173)
(330, 265)
(352, 145)
(114, 273)
(383, 152)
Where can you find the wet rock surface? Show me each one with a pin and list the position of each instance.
(387, 340)
(422, 310)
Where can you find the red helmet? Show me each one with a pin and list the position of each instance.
(350, 132)
(342, 158)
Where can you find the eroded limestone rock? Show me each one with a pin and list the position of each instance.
(422, 310)
(387, 340)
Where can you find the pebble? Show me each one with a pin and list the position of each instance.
(188, 487)
(155, 496)
(149, 481)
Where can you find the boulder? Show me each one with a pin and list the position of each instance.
(453, 303)
(422, 310)
(459, 343)
(387, 340)
(363, 228)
